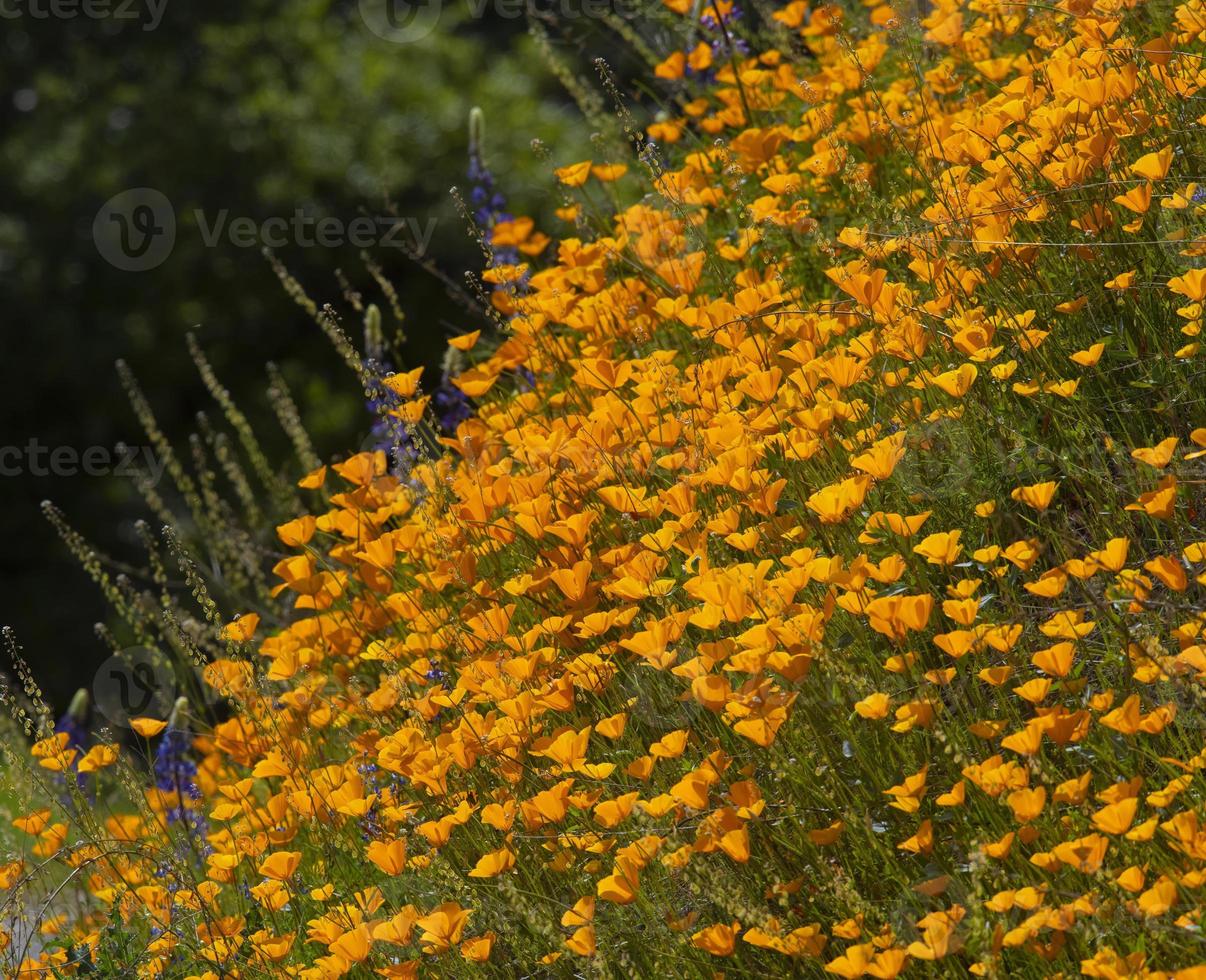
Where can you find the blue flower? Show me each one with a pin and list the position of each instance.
(176, 772)
(451, 405)
(489, 205)
(388, 433)
(72, 723)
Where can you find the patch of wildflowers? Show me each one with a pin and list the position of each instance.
(822, 599)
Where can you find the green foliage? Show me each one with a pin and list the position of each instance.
(256, 109)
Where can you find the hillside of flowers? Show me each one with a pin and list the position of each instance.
(811, 582)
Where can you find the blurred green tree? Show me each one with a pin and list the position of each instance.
(232, 110)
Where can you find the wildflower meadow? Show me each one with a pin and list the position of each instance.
(797, 569)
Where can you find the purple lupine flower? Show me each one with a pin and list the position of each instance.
(488, 203)
(525, 379)
(388, 433)
(722, 41)
(73, 723)
(489, 207)
(370, 824)
(707, 17)
(451, 405)
(720, 48)
(176, 772)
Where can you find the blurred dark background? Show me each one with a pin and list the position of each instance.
(254, 108)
